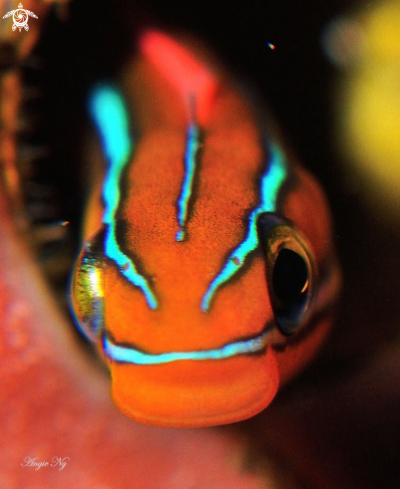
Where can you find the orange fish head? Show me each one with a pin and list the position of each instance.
(210, 279)
(195, 357)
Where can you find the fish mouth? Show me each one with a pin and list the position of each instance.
(123, 353)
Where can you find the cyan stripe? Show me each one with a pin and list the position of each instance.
(131, 355)
(271, 183)
(110, 115)
(192, 148)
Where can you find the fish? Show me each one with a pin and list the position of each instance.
(207, 276)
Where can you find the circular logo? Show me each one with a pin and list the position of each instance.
(20, 18)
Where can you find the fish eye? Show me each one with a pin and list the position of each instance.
(290, 272)
(289, 289)
(87, 294)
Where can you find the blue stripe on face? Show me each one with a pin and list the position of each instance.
(192, 148)
(271, 182)
(110, 115)
(136, 357)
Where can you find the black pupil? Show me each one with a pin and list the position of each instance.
(290, 276)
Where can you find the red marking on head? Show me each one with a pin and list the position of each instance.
(193, 80)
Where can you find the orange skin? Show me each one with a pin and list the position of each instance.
(193, 392)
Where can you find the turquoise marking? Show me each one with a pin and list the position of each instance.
(131, 355)
(192, 148)
(109, 113)
(271, 183)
